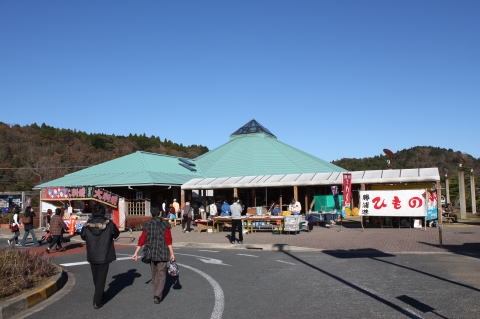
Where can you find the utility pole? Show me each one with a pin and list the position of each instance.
(472, 192)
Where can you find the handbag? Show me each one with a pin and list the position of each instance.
(14, 228)
(173, 269)
(146, 254)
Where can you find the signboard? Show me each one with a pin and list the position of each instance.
(80, 193)
(347, 189)
(395, 203)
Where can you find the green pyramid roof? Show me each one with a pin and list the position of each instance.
(133, 169)
(251, 154)
(252, 150)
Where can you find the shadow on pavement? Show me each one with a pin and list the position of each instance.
(466, 249)
(355, 287)
(171, 282)
(120, 282)
(375, 254)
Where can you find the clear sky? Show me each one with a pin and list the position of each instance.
(333, 78)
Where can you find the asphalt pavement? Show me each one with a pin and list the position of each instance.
(262, 284)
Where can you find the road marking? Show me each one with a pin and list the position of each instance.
(210, 251)
(86, 262)
(285, 262)
(219, 305)
(206, 260)
(247, 255)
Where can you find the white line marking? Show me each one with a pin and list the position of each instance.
(285, 262)
(219, 305)
(210, 251)
(247, 255)
(207, 260)
(86, 262)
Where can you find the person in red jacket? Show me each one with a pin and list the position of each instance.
(158, 237)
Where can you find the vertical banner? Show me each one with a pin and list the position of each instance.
(432, 205)
(347, 189)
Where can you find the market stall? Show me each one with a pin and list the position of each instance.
(78, 202)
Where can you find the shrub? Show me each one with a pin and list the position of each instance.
(20, 270)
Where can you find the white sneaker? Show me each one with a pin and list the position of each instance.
(9, 243)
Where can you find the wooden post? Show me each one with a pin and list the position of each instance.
(306, 200)
(254, 197)
(472, 190)
(461, 188)
(295, 193)
(280, 201)
(363, 187)
(235, 192)
(439, 212)
(182, 198)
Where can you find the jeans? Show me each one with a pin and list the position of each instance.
(99, 274)
(56, 240)
(25, 236)
(15, 237)
(236, 224)
(186, 220)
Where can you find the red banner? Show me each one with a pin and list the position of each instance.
(347, 189)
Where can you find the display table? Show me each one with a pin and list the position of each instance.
(204, 224)
(252, 223)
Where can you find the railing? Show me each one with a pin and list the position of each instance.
(136, 207)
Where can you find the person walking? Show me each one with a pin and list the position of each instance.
(187, 216)
(28, 227)
(15, 227)
(99, 233)
(236, 210)
(57, 226)
(157, 237)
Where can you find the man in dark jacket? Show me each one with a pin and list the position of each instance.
(99, 233)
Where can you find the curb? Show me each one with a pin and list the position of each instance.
(14, 306)
(265, 247)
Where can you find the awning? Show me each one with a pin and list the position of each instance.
(391, 176)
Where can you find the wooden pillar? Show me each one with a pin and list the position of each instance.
(295, 192)
(461, 189)
(182, 198)
(363, 187)
(439, 213)
(280, 201)
(472, 190)
(254, 193)
(306, 200)
(235, 192)
(439, 202)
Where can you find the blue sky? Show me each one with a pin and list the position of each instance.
(333, 78)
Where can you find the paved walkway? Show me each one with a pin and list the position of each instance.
(464, 238)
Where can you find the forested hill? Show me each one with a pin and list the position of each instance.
(53, 152)
(415, 157)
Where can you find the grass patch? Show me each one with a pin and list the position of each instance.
(21, 270)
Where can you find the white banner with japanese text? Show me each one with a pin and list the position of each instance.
(399, 203)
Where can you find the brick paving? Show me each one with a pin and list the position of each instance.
(455, 238)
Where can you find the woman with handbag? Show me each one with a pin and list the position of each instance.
(28, 227)
(156, 240)
(15, 228)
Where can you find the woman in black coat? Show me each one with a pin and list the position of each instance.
(99, 233)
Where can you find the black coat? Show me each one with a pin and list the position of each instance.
(99, 234)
